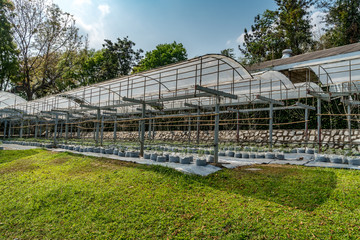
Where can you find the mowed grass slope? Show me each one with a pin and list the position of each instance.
(47, 195)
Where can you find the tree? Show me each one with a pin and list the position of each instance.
(46, 37)
(229, 52)
(164, 54)
(264, 41)
(8, 54)
(120, 58)
(343, 21)
(273, 31)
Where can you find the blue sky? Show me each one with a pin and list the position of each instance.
(202, 26)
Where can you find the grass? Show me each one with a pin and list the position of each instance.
(47, 195)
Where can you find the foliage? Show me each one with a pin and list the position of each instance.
(343, 21)
(120, 58)
(60, 195)
(46, 37)
(164, 54)
(8, 54)
(229, 52)
(273, 31)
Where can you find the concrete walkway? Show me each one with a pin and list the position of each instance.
(227, 162)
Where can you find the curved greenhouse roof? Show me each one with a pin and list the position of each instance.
(172, 86)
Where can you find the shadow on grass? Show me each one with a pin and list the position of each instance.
(292, 186)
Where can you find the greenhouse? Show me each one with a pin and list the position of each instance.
(201, 105)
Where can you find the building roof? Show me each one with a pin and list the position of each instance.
(305, 57)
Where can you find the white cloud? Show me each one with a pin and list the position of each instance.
(104, 9)
(228, 42)
(94, 31)
(318, 24)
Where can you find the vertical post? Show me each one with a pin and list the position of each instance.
(78, 131)
(142, 136)
(115, 128)
(71, 130)
(319, 122)
(97, 127)
(189, 131)
(271, 120)
(150, 126)
(9, 134)
(61, 129)
(349, 124)
(5, 126)
(36, 128)
(102, 130)
(198, 126)
(67, 127)
(40, 130)
(46, 131)
(306, 123)
(21, 128)
(55, 128)
(153, 129)
(216, 130)
(237, 127)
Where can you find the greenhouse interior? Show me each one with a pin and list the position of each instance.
(209, 106)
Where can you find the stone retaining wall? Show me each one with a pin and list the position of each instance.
(333, 138)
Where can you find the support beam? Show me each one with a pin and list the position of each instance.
(55, 128)
(102, 130)
(9, 134)
(319, 123)
(305, 106)
(5, 127)
(115, 128)
(269, 100)
(198, 127)
(320, 95)
(215, 92)
(349, 124)
(97, 107)
(97, 127)
(216, 131)
(306, 123)
(67, 127)
(271, 120)
(153, 104)
(142, 133)
(21, 128)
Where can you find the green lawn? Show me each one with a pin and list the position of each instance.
(46, 195)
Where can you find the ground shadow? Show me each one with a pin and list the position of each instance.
(293, 186)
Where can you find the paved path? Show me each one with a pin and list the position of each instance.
(228, 162)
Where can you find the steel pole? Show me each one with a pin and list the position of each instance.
(102, 130)
(97, 127)
(271, 120)
(319, 122)
(21, 128)
(198, 127)
(349, 124)
(142, 136)
(306, 123)
(55, 128)
(5, 127)
(216, 131)
(115, 128)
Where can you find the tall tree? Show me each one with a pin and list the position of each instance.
(120, 58)
(164, 54)
(8, 54)
(45, 36)
(229, 52)
(264, 41)
(343, 21)
(287, 27)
